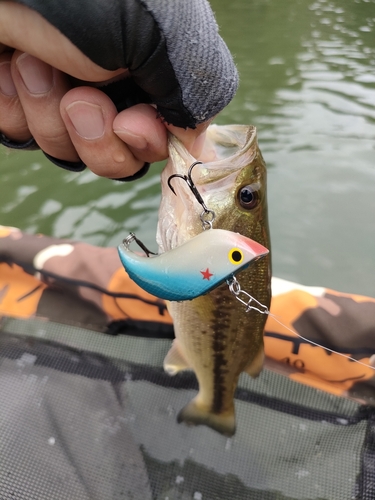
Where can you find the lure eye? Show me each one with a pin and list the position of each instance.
(235, 256)
(248, 197)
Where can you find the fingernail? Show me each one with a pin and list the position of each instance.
(87, 119)
(36, 75)
(131, 139)
(6, 81)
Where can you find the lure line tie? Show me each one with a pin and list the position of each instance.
(236, 290)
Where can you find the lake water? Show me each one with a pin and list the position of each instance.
(307, 73)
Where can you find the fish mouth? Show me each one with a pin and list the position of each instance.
(233, 147)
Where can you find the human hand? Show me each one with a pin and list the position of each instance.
(45, 95)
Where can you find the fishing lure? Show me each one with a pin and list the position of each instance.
(195, 267)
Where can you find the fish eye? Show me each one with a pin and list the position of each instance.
(248, 197)
(235, 256)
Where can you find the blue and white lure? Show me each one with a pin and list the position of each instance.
(194, 268)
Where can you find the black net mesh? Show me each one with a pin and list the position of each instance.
(86, 416)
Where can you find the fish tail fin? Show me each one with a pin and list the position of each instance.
(194, 414)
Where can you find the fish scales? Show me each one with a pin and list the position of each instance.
(215, 336)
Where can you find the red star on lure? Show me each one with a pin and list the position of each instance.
(206, 274)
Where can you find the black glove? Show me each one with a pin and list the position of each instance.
(172, 49)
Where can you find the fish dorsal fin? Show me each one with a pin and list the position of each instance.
(174, 361)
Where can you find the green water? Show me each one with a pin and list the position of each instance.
(307, 73)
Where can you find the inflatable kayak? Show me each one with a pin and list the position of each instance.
(88, 413)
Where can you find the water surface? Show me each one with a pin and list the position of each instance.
(307, 73)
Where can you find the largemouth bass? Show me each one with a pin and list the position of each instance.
(215, 336)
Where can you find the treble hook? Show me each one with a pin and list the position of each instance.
(206, 223)
(132, 237)
(189, 181)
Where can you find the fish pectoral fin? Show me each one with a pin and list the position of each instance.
(194, 414)
(256, 364)
(174, 361)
